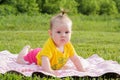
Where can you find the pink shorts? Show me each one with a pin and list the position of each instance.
(31, 56)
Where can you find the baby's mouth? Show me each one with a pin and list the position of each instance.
(62, 40)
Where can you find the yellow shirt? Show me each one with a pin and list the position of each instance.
(57, 58)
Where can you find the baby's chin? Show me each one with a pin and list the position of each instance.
(62, 43)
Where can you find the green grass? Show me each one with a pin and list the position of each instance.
(41, 22)
(13, 76)
(105, 44)
(91, 35)
(96, 23)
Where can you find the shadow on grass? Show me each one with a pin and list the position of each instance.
(108, 76)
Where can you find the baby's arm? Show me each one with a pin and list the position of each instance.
(46, 64)
(76, 61)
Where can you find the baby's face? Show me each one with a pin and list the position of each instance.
(61, 34)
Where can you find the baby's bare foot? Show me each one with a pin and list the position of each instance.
(23, 52)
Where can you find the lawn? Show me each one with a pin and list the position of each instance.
(103, 38)
(86, 43)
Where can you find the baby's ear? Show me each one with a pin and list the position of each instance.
(50, 32)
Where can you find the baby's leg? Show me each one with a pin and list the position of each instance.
(23, 52)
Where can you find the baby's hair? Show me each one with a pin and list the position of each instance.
(63, 11)
(62, 17)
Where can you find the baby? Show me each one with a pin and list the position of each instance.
(56, 50)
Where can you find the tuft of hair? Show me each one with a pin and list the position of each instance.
(63, 11)
(60, 17)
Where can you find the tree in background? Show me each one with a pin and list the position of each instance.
(70, 5)
(40, 5)
(27, 6)
(18, 6)
(7, 10)
(53, 6)
(50, 6)
(97, 7)
(8, 7)
(118, 4)
(107, 7)
(88, 6)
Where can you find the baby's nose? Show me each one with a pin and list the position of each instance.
(63, 34)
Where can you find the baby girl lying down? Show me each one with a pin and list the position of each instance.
(57, 50)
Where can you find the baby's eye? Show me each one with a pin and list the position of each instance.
(58, 32)
(67, 32)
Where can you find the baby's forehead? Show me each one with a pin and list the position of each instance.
(62, 23)
(62, 27)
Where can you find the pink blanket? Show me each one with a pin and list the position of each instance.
(95, 67)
